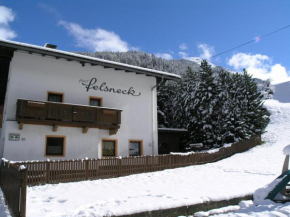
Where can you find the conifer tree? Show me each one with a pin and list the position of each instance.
(215, 109)
(166, 95)
(207, 94)
(222, 109)
(255, 111)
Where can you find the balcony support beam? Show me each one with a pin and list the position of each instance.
(20, 125)
(113, 131)
(85, 129)
(54, 128)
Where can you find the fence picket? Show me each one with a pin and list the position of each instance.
(41, 172)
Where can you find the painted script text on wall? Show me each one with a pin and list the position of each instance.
(92, 85)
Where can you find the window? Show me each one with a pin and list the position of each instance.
(55, 146)
(96, 101)
(109, 148)
(54, 97)
(135, 147)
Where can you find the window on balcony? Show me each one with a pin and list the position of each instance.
(96, 101)
(55, 146)
(109, 148)
(135, 147)
(54, 97)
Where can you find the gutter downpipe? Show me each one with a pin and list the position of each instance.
(154, 101)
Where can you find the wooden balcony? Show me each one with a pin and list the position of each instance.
(68, 115)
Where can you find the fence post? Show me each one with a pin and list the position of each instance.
(23, 174)
(87, 168)
(2, 165)
(147, 164)
(47, 171)
(172, 161)
(120, 167)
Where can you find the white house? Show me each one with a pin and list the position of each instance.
(60, 105)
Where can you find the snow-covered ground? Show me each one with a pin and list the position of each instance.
(236, 176)
(3, 208)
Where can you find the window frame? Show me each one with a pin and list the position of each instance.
(141, 146)
(63, 147)
(116, 147)
(56, 93)
(97, 98)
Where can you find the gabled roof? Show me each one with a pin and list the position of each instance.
(86, 59)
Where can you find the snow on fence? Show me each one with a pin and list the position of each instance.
(42, 172)
(14, 185)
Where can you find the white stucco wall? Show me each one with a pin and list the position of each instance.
(31, 76)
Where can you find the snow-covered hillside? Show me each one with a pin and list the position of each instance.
(282, 92)
(236, 176)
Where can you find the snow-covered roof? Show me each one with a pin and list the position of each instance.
(87, 59)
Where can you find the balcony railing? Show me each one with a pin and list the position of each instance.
(70, 115)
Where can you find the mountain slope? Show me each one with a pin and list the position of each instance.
(174, 66)
(150, 61)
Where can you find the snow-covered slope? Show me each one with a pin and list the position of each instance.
(282, 92)
(4, 212)
(236, 176)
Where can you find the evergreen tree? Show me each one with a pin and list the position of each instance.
(255, 116)
(166, 95)
(185, 105)
(207, 95)
(215, 109)
(223, 106)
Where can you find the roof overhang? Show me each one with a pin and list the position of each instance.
(86, 59)
(172, 130)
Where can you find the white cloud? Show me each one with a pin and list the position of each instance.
(164, 56)
(183, 55)
(51, 10)
(6, 16)
(242, 60)
(95, 39)
(260, 66)
(183, 46)
(206, 51)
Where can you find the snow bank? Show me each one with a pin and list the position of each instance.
(261, 193)
(217, 211)
(3, 208)
(286, 150)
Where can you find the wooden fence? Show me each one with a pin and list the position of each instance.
(14, 185)
(42, 172)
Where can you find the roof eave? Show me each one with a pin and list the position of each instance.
(58, 55)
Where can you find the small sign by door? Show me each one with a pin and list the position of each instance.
(14, 136)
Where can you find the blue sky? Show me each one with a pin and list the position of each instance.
(170, 28)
